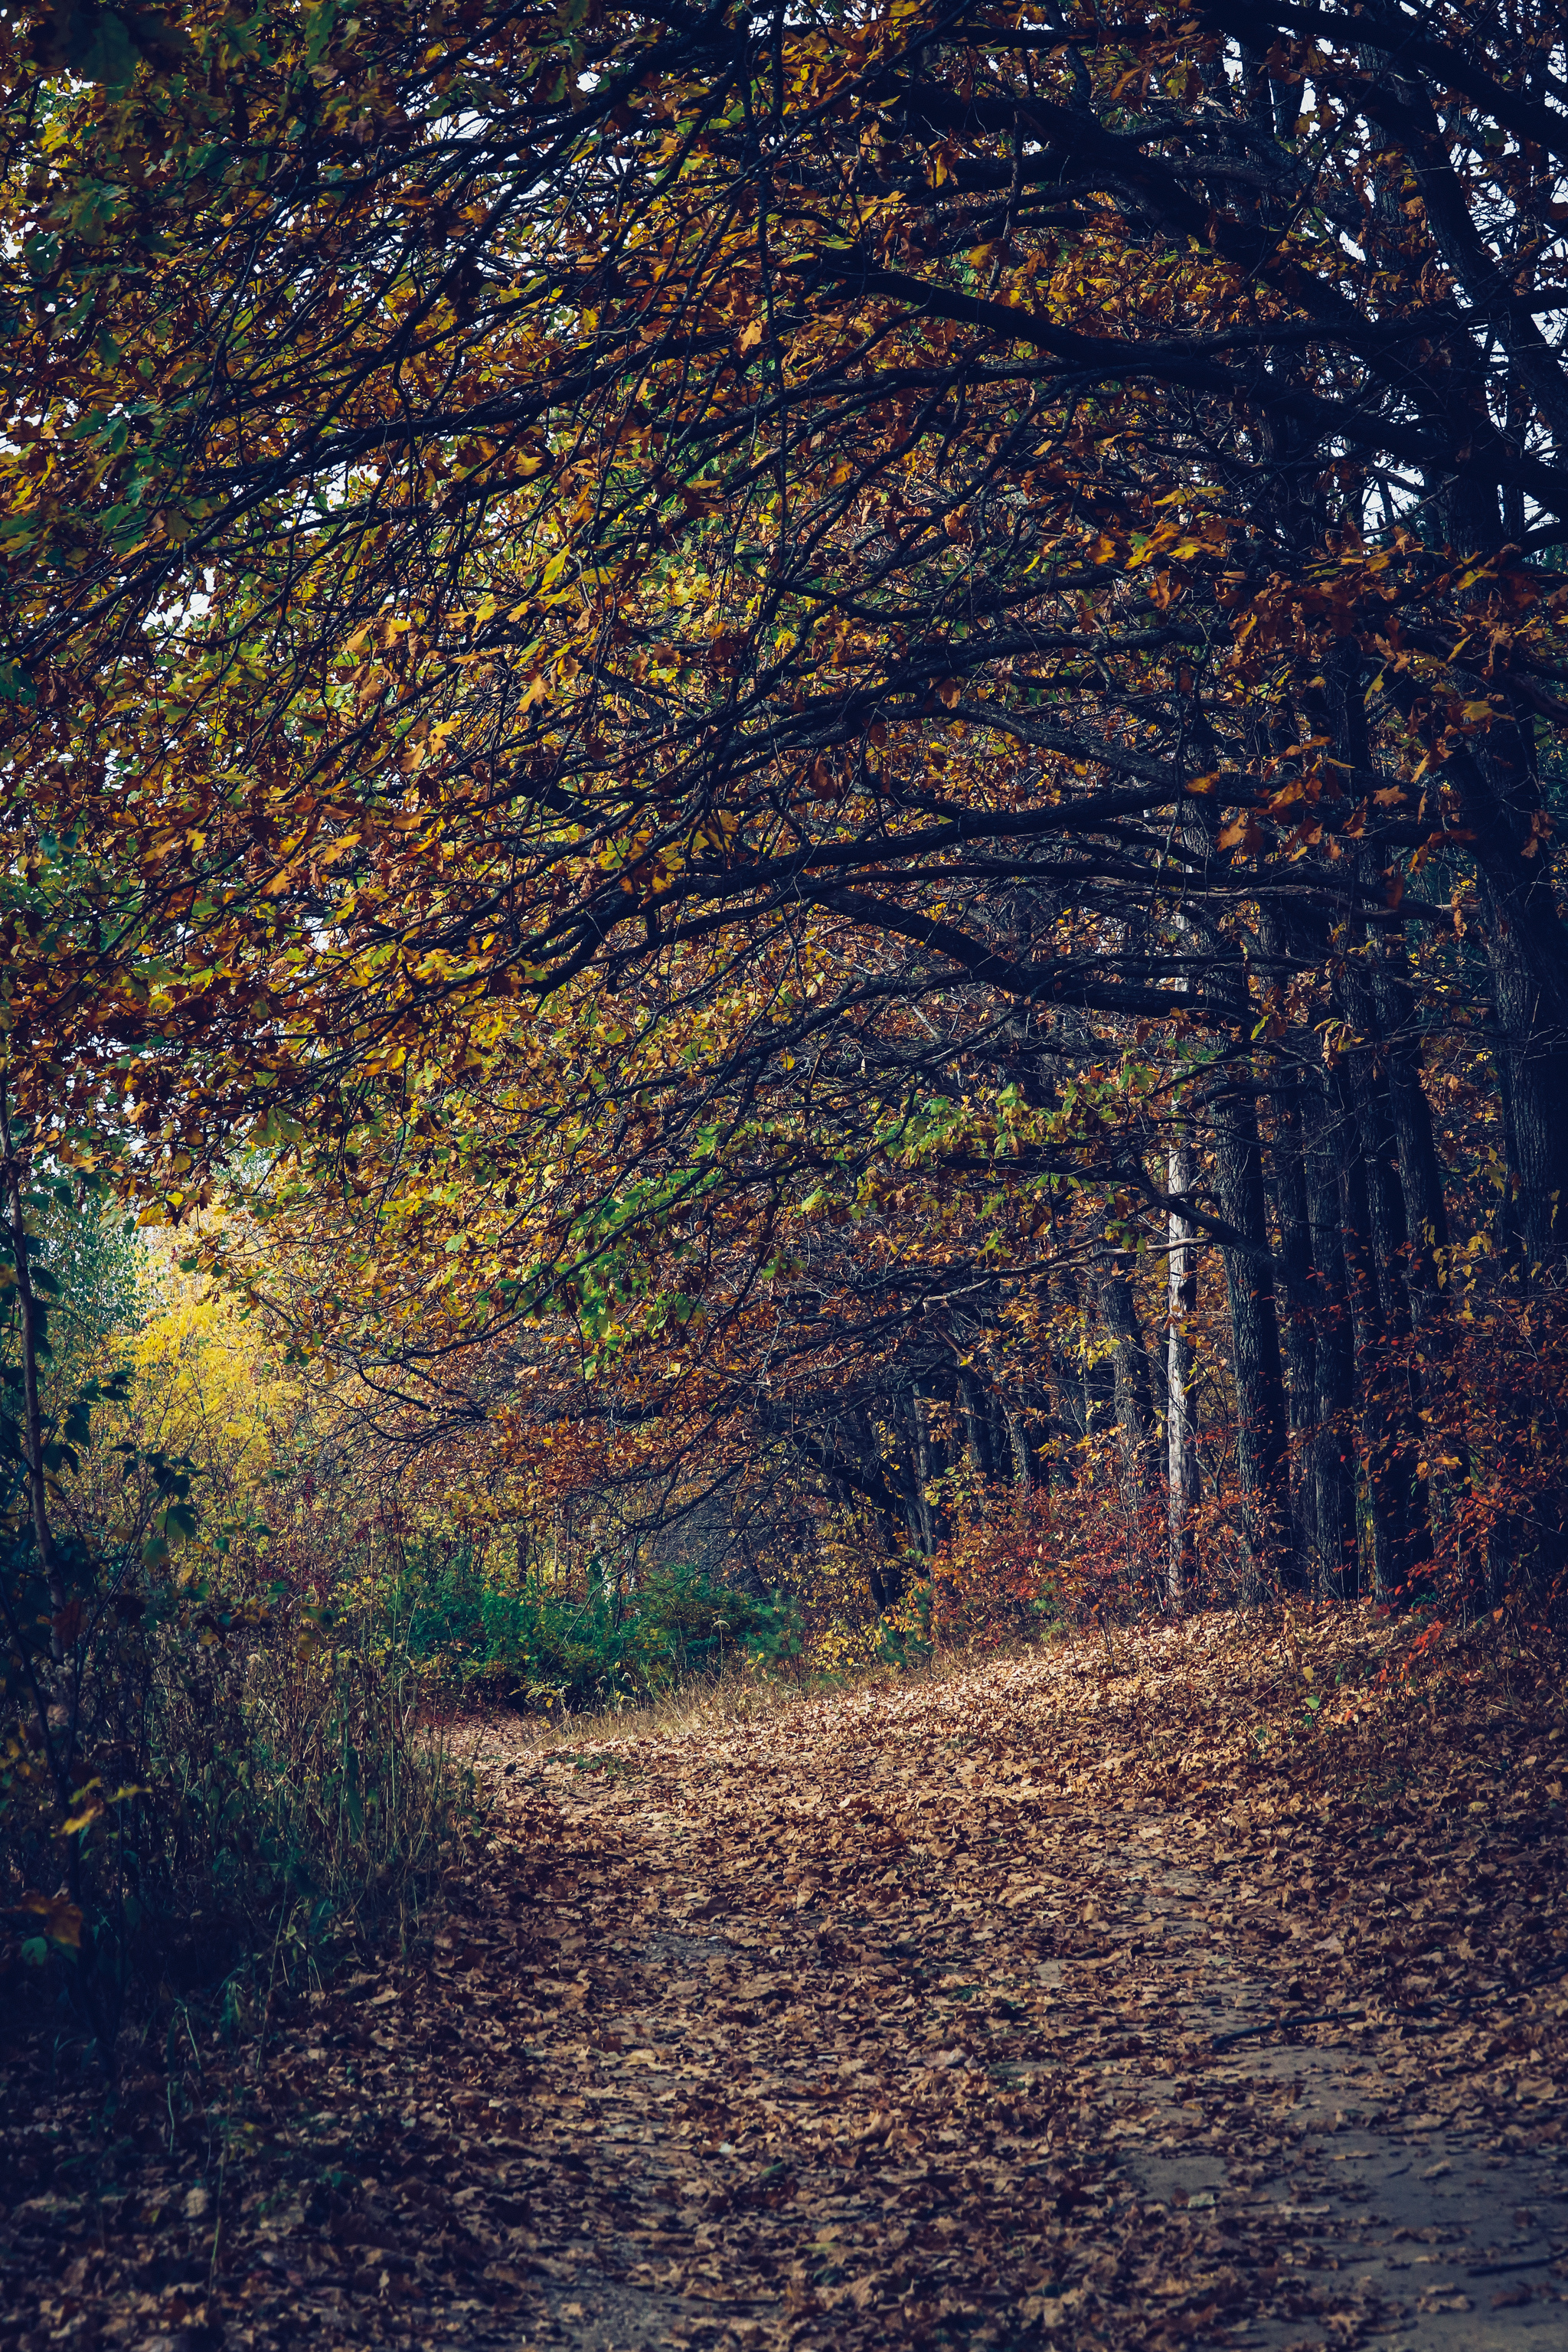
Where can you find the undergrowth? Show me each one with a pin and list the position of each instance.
(255, 1800)
(573, 1649)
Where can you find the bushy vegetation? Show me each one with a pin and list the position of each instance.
(248, 1805)
(210, 1784)
(229, 1758)
(575, 1644)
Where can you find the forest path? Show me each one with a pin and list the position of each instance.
(1093, 2000)
(886, 2020)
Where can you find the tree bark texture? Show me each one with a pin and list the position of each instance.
(1332, 1456)
(1297, 1336)
(1261, 1440)
(1134, 1383)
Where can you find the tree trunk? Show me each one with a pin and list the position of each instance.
(1332, 1445)
(1420, 1170)
(1023, 1455)
(1494, 774)
(999, 1436)
(1181, 1450)
(977, 1425)
(1425, 1223)
(925, 1470)
(1296, 1332)
(32, 1338)
(1408, 1526)
(1077, 1386)
(1134, 1385)
(1526, 949)
(1387, 1464)
(1261, 1442)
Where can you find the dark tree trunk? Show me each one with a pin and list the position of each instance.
(999, 1436)
(1134, 1384)
(1420, 1170)
(1408, 1526)
(1262, 1443)
(1296, 1332)
(1083, 1389)
(1332, 1443)
(1026, 1463)
(1526, 949)
(1494, 776)
(1426, 1226)
(976, 1425)
(926, 1455)
(1383, 1439)
(903, 1473)
(879, 1484)
(1066, 1376)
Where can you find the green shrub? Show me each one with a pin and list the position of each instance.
(546, 1644)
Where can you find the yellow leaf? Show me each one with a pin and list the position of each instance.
(61, 1918)
(88, 1806)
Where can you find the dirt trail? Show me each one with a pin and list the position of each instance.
(882, 2020)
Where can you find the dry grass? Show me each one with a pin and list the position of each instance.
(703, 1711)
(691, 1711)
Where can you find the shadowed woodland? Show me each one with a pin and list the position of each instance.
(782, 961)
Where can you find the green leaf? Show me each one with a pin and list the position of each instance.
(320, 22)
(99, 46)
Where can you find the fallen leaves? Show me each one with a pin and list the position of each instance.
(880, 2018)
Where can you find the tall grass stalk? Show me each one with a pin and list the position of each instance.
(280, 1799)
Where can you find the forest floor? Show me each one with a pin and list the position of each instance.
(1199, 1987)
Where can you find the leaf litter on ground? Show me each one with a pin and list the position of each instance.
(1196, 1987)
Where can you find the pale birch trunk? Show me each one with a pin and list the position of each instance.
(1182, 1467)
